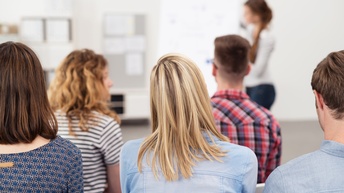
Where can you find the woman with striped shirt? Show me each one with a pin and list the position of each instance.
(79, 95)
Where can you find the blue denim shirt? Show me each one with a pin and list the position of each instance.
(320, 171)
(237, 173)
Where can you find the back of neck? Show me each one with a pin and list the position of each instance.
(334, 131)
(23, 147)
(224, 85)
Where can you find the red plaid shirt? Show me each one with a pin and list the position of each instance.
(247, 123)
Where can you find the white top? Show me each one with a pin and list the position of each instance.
(99, 146)
(259, 70)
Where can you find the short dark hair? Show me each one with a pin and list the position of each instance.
(232, 54)
(25, 112)
(328, 80)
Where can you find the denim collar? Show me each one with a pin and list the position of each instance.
(332, 148)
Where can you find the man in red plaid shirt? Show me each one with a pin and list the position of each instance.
(236, 115)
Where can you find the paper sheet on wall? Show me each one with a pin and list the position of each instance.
(134, 64)
(32, 30)
(135, 43)
(119, 25)
(114, 45)
(58, 30)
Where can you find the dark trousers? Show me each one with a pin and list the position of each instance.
(263, 94)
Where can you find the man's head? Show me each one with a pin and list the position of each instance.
(328, 86)
(231, 62)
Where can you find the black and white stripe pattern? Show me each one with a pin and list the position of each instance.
(99, 146)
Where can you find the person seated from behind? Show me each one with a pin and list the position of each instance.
(32, 157)
(239, 118)
(79, 95)
(185, 152)
(322, 170)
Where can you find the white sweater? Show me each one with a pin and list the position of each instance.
(260, 70)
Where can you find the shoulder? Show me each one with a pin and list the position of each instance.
(65, 146)
(260, 114)
(227, 110)
(131, 148)
(238, 154)
(286, 176)
(266, 34)
(301, 162)
(266, 37)
(240, 162)
(101, 118)
(103, 123)
(295, 167)
(129, 154)
(275, 182)
(221, 104)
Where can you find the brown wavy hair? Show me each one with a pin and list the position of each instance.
(261, 8)
(78, 87)
(25, 112)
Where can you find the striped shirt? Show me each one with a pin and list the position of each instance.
(246, 123)
(100, 146)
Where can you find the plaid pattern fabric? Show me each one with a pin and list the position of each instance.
(247, 123)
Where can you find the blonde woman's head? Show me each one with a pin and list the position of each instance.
(181, 117)
(81, 85)
(178, 92)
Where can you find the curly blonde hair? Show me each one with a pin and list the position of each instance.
(78, 87)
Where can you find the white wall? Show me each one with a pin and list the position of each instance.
(306, 31)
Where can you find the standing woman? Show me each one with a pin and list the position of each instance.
(185, 152)
(79, 95)
(259, 84)
(32, 157)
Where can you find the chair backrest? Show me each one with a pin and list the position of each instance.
(260, 188)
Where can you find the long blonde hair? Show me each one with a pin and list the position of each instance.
(181, 118)
(78, 87)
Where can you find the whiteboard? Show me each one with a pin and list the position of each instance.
(190, 27)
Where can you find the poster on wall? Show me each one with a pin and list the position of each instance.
(190, 27)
